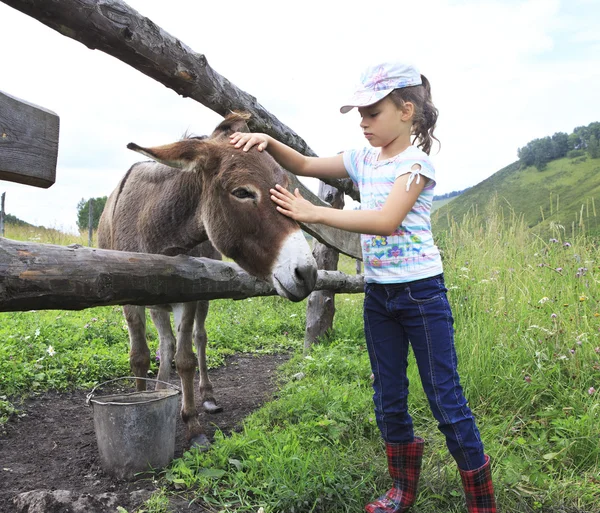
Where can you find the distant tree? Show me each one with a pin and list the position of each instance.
(560, 144)
(14, 220)
(575, 142)
(594, 129)
(449, 195)
(584, 135)
(83, 212)
(526, 155)
(544, 153)
(539, 152)
(593, 147)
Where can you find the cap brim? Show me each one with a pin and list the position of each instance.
(364, 99)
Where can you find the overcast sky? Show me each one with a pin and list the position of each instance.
(502, 73)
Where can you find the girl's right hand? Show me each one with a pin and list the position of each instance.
(246, 140)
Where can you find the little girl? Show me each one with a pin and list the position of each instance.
(405, 297)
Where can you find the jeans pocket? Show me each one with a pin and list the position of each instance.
(424, 291)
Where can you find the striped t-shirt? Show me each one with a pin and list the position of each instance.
(409, 253)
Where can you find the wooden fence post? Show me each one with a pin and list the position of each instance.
(2, 214)
(90, 221)
(321, 304)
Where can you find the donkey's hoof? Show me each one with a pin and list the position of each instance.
(200, 442)
(212, 407)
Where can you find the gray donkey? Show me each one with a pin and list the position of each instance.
(197, 190)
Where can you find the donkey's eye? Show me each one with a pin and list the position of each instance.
(242, 193)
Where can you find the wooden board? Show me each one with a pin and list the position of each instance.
(28, 142)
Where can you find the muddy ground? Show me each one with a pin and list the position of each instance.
(52, 444)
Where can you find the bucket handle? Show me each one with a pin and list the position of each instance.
(91, 394)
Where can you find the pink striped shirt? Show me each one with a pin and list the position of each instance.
(409, 253)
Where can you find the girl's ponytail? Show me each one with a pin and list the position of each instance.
(426, 113)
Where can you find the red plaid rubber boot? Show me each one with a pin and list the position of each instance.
(479, 490)
(404, 465)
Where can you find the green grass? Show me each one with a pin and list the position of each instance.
(527, 321)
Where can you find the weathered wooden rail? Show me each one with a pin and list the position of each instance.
(47, 277)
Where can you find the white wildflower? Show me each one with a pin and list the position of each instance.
(51, 351)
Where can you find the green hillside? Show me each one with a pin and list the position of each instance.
(440, 203)
(565, 193)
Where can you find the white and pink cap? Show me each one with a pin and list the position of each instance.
(379, 81)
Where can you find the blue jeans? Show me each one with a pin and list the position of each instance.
(418, 313)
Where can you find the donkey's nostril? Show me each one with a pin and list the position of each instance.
(307, 274)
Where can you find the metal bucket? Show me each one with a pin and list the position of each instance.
(135, 431)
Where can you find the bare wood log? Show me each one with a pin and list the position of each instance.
(28, 142)
(47, 277)
(90, 221)
(320, 309)
(115, 28)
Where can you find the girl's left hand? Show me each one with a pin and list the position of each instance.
(294, 205)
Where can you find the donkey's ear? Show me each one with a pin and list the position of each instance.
(187, 154)
(234, 122)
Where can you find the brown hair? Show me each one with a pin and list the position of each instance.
(426, 113)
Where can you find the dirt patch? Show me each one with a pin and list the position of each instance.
(53, 445)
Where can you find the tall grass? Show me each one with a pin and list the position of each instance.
(44, 235)
(527, 331)
(527, 322)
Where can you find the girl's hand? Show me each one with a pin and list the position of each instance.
(239, 139)
(294, 205)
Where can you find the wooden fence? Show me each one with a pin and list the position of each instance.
(40, 276)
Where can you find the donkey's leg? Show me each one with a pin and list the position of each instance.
(200, 341)
(139, 354)
(185, 362)
(166, 344)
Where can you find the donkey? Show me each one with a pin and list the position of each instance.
(197, 190)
